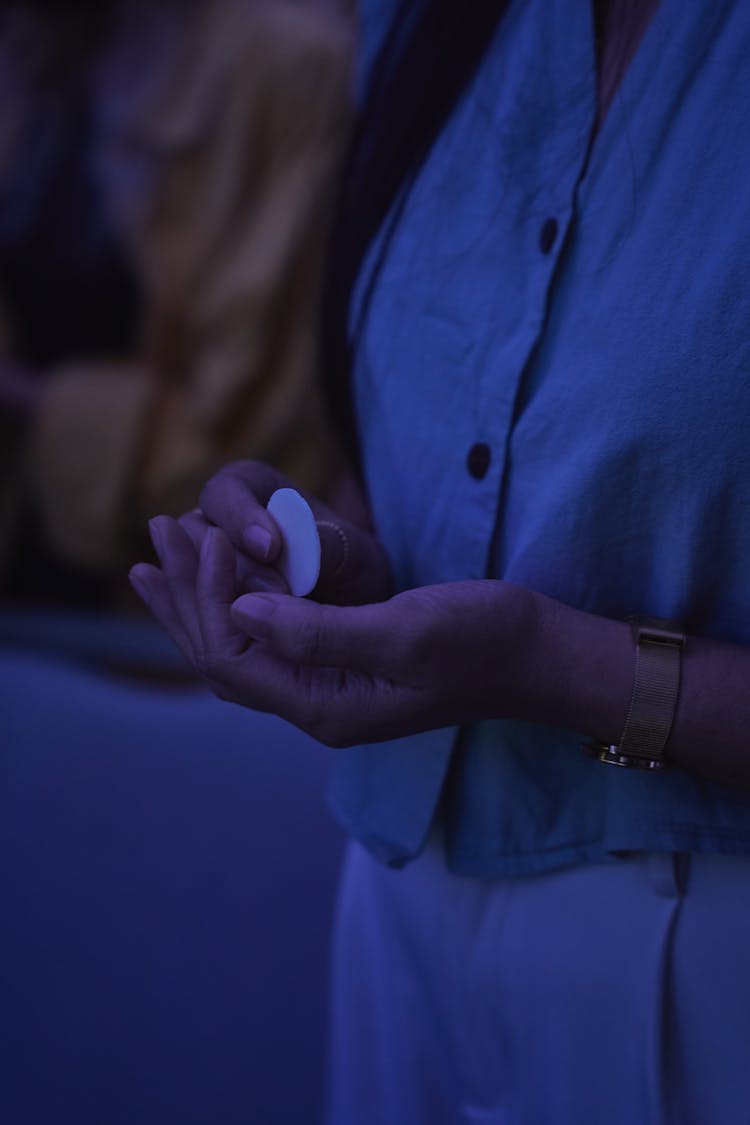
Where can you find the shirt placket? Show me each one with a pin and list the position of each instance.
(538, 221)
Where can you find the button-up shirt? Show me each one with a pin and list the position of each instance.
(552, 385)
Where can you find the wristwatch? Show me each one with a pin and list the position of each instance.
(656, 685)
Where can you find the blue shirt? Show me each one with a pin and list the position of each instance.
(605, 364)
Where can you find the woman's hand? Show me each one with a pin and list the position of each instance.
(430, 657)
(354, 566)
(426, 658)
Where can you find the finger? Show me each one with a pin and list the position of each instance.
(249, 575)
(354, 569)
(235, 500)
(317, 700)
(152, 587)
(338, 708)
(216, 590)
(253, 577)
(305, 632)
(179, 563)
(195, 525)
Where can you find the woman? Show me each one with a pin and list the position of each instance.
(540, 271)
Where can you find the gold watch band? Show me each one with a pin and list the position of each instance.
(653, 702)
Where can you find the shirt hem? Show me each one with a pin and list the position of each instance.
(690, 838)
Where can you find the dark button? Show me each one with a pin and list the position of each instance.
(478, 461)
(547, 235)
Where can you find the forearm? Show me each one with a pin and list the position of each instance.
(585, 667)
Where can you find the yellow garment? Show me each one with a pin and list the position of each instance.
(219, 173)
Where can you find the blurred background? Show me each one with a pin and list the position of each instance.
(167, 864)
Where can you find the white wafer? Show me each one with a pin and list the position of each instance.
(299, 561)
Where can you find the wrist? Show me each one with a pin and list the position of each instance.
(584, 677)
(658, 645)
(580, 670)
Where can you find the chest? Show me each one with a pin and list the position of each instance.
(621, 340)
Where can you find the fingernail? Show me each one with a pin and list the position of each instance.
(254, 611)
(140, 587)
(155, 534)
(258, 541)
(209, 544)
(266, 586)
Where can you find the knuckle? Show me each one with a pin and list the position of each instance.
(234, 471)
(193, 519)
(212, 668)
(412, 639)
(307, 640)
(212, 482)
(247, 473)
(409, 646)
(240, 466)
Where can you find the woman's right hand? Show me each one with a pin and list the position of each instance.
(354, 567)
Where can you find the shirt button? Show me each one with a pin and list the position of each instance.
(478, 461)
(547, 235)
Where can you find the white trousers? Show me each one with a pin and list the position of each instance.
(612, 994)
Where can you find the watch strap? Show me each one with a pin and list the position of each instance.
(653, 701)
(656, 686)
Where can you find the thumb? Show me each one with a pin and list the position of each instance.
(306, 632)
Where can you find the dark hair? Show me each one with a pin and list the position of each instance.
(428, 58)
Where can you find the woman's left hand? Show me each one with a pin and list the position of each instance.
(430, 657)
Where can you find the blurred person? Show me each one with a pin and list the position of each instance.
(166, 172)
(166, 176)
